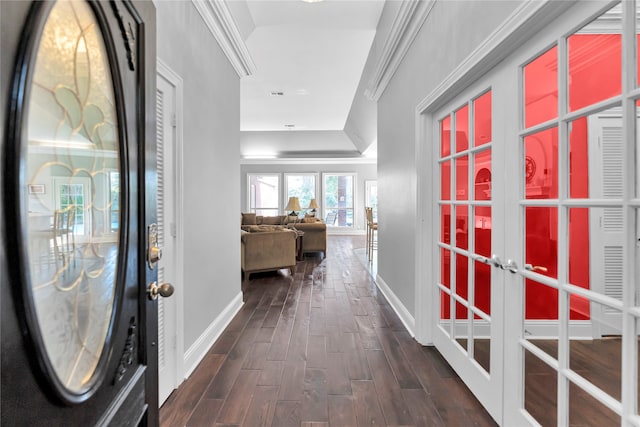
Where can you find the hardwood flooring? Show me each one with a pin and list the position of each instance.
(321, 348)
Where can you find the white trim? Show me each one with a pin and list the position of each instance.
(404, 30)
(530, 17)
(310, 161)
(405, 316)
(174, 79)
(194, 355)
(219, 20)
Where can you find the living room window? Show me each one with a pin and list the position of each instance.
(264, 191)
(338, 198)
(302, 186)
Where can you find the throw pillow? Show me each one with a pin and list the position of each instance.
(272, 220)
(248, 219)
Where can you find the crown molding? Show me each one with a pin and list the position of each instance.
(217, 16)
(529, 18)
(404, 30)
(310, 161)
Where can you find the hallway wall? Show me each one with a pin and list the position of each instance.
(211, 135)
(450, 33)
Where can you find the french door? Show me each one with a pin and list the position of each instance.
(537, 293)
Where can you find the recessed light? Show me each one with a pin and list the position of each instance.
(311, 1)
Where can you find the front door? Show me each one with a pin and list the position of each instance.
(79, 330)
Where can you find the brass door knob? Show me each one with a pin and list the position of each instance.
(164, 290)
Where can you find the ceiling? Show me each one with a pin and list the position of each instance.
(309, 59)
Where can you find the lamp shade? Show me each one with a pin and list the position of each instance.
(313, 204)
(293, 205)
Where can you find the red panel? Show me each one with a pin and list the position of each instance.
(445, 137)
(462, 129)
(445, 306)
(541, 165)
(445, 224)
(579, 159)
(462, 227)
(482, 287)
(462, 313)
(595, 68)
(462, 277)
(541, 88)
(462, 178)
(483, 223)
(445, 267)
(445, 180)
(482, 120)
(579, 254)
(541, 301)
(482, 175)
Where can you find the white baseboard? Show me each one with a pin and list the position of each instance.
(194, 355)
(405, 316)
(534, 329)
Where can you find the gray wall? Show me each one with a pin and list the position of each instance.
(451, 32)
(363, 172)
(211, 136)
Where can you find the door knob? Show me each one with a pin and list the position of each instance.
(165, 290)
(530, 267)
(511, 266)
(497, 262)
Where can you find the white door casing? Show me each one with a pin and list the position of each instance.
(169, 160)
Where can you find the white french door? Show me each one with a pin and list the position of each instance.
(537, 290)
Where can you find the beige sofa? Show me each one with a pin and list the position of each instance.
(315, 231)
(267, 250)
(315, 237)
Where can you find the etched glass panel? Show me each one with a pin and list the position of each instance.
(73, 184)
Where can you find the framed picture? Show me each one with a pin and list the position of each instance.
(36, 189)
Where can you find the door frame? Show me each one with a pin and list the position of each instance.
(176, 81)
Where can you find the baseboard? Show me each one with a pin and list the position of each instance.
(194, 355)
(405, 316)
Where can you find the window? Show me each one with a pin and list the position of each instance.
(371, 197)
(338, 199)
(302, 186)
(264, 190)
(114, 199)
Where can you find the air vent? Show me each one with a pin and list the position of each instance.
(277, 93)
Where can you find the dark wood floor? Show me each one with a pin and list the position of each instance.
(321, 348)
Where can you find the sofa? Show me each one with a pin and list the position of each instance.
(265, 248)
(315, 231)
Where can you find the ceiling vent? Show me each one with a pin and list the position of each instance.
(290, 126)
(277, 93)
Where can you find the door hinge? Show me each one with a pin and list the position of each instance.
(173, 229)
(174, 120)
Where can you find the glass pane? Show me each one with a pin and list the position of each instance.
(445, 224)
(461, 324)
(445, 308)
(482, 287)
(445, 180)
(483, 230)
(462, 178)
(482, 175)
(303, 187)
(584, 410)
(482, 347)
(540, 390)
(264, 190)
(595, 61)
(597, 155)
(462, 227)
(541, 302)
(462, 129)
(445, 137)
(579, 259)
(600, 360)
(462, 276)
(541, 88)
(445, 267)
(541, 165)
(541, 240)
(73, 185)
(482, 120)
